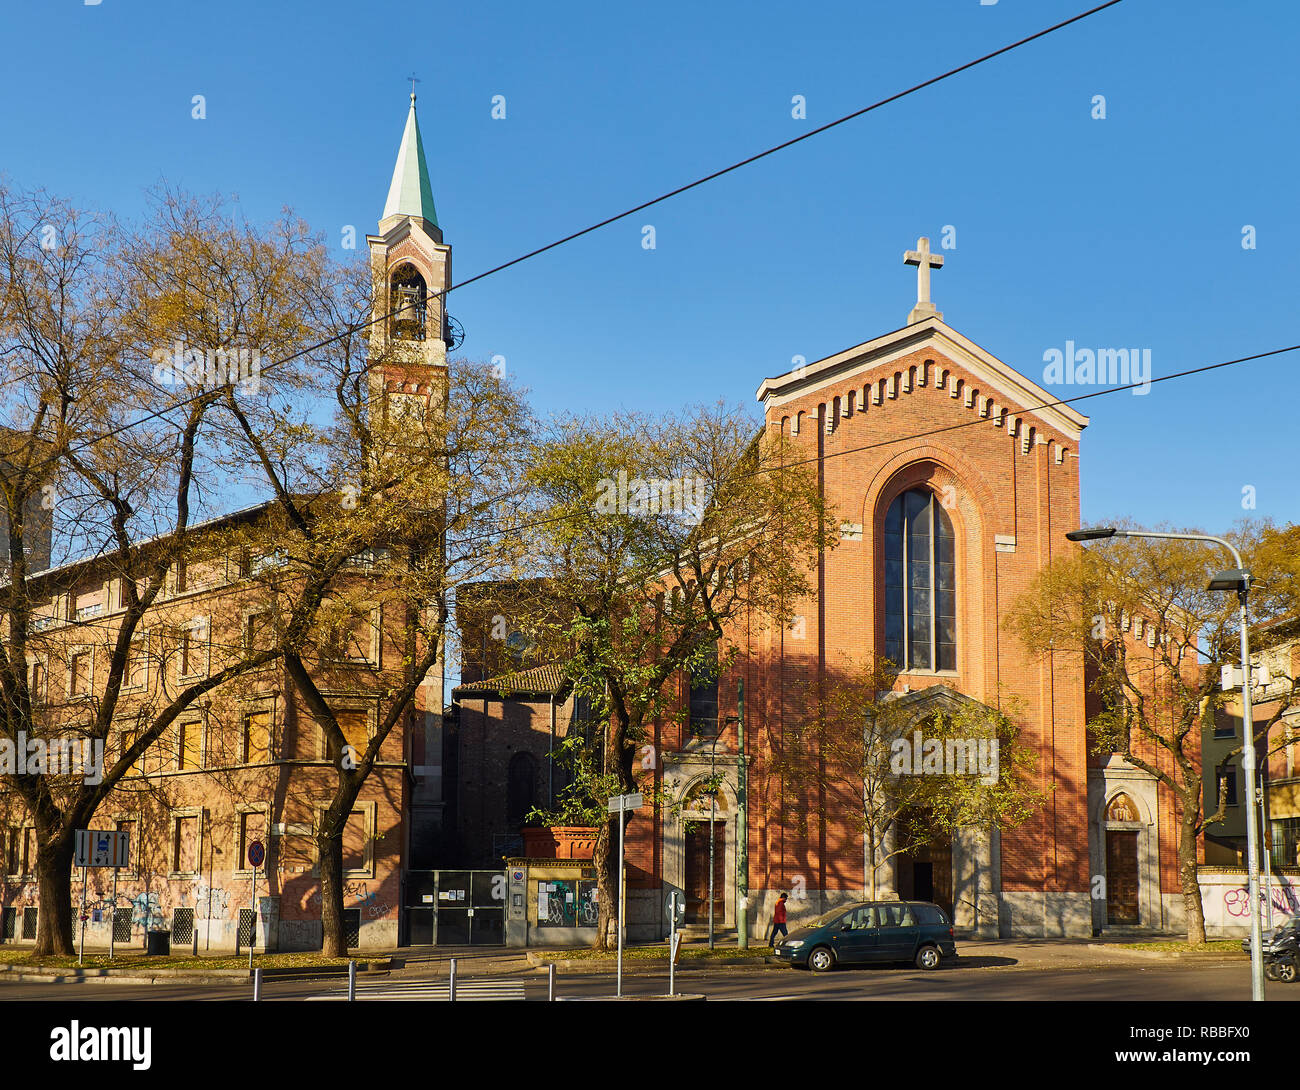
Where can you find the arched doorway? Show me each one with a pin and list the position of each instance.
(924, 871)
(705, 814)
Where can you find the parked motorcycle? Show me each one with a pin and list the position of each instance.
(1281, 951)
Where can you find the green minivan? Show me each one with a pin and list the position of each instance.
(872, 931)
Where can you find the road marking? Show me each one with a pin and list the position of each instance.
(427, 990)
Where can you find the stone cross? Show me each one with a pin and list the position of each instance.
(924, 261)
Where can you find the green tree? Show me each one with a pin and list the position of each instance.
(1153, 640)
(652, 536)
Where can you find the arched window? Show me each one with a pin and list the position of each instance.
(920, 584)
(409, 304)
(520, 783)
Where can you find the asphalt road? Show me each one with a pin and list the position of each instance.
(1158, 983)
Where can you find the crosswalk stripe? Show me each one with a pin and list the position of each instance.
(466, 990)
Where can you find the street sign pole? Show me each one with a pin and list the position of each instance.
(620, 804)
(112, 918)
(622, 800)
(672, 943)
(256, 854)
(252, 934)
(81, 953)
(742, 828)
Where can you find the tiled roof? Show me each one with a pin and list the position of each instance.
(547, 679)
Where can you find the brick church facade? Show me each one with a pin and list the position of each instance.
(922, 435)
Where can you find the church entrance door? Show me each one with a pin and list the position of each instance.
(697, 871)
(1121, 876)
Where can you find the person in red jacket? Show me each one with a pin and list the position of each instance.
(778, 920)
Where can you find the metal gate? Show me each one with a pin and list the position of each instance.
(455, 908)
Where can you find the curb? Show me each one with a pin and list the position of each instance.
(10, 972)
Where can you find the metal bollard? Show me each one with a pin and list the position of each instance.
(451, 982)
(352, 981)
(550, 984)
(257, 985)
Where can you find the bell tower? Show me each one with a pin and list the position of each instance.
(411, 269)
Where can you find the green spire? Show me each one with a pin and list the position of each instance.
(411, 194)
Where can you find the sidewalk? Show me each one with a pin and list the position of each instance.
(426, 962)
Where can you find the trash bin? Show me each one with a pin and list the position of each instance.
(159, 942)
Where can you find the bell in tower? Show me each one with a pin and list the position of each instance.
(408, 303)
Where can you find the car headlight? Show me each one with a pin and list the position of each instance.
(793, 944)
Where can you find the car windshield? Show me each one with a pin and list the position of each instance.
(830, 917)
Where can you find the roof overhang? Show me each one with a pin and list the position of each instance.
(993, 374)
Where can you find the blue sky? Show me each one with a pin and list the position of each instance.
(1122, 232)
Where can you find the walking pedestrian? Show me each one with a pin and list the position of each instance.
(778, 920)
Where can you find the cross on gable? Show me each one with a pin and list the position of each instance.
(924, 261)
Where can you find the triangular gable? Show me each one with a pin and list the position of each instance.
(996, 378)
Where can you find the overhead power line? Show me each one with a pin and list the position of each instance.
(352, 330)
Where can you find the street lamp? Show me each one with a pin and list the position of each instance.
(1233, 579)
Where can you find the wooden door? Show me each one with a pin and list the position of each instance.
(1121, 876)
(697, 871)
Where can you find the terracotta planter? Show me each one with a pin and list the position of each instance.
(560, 842)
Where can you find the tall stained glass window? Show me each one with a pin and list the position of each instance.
(920, 584)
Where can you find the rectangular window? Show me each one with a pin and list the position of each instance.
(137, 664)
(359, 638)
(80, 664)
(125, 740)
(1285, 842)
(1225, 774)
(36, 682)
(10, 841)
(189, 743)
(704, 696)
(354, 723)
(356, 843)
(256, 747)
(29, 850)
(185, 844)
(258, 632)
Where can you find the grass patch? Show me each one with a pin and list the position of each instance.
(142, 962)
(1218, 946)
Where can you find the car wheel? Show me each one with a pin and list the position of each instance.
(821, 960)
(1270, 969)
(1286, 971)
(928, 957)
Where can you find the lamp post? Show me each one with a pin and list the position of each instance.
(1233, 579)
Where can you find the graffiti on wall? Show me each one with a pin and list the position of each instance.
(1236, 900)
(369, 903)
(210, 902)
